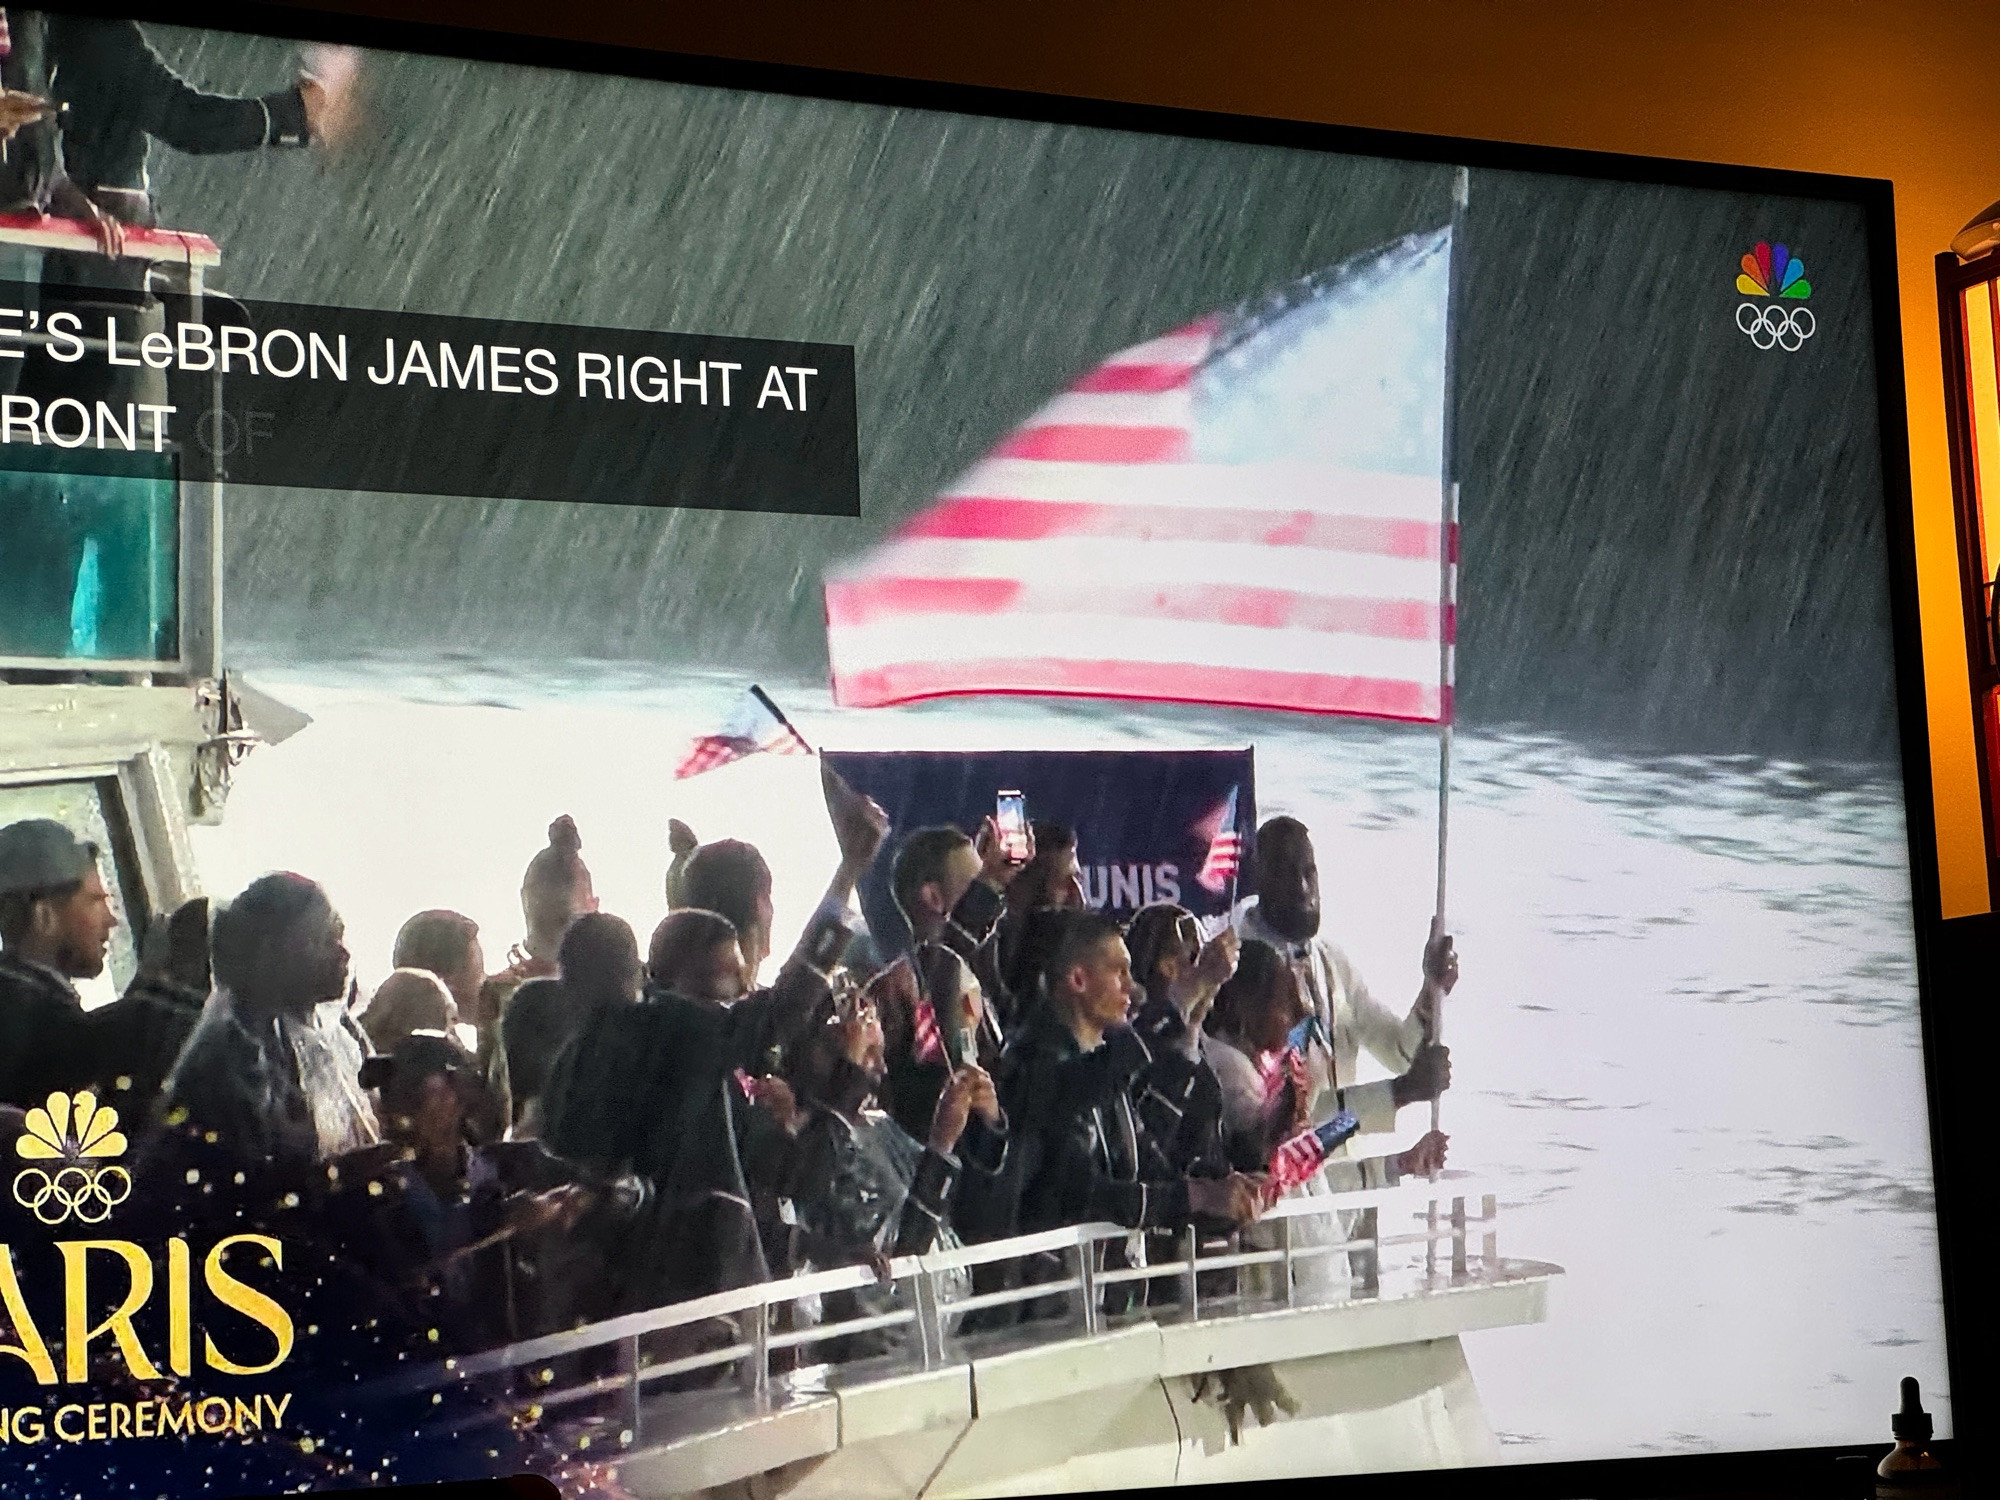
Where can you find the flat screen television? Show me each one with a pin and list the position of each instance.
(1320, 543)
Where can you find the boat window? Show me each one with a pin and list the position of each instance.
(93, 810)
(89, 566)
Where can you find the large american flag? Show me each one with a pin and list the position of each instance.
(1246, 511)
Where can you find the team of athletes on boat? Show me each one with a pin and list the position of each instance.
(593, 1131)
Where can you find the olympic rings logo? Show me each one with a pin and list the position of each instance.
(87, 1194)
(1774, 325)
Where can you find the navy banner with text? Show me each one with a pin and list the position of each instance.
(1144, 819)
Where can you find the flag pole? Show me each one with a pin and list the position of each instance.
(1461, 194)
(1447, 607)
(1242, 844)
(1447, 671)
(779, 714)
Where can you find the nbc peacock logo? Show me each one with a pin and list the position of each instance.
(1774, 275)
(71, 1144)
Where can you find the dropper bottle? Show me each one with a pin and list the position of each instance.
(1911, 1470)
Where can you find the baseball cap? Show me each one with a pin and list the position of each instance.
(39, 854)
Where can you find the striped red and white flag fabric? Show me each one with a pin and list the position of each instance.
(926, 1041)
(1295, 1162)
(1225, 846)
(755, 726)
(1275, 1070)
(1247, 511)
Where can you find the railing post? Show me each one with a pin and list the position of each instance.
(1086, 1276)
(628, 1362)
(1368, 1224)
(1489, 1247)
(1458, 1239)
(1191, 1243)
(1291, 1293)
(1431, 1241)
(757, 1378)
(930, 1320)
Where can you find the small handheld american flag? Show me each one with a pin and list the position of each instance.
(1286, 1065)
(1225, 847)
(1300, 1157)
(927, 1042)
(756, 725)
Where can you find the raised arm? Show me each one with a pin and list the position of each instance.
(1440, 977)
(928, 1203)
(108, 66)
(971, 922)
(860, 828)
(1194, 992)
(1348, 1176)
(802, 996)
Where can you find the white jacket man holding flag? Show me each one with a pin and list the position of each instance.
(1285, 913)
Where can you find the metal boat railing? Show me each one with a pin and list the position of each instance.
(1206, 1279)
(197, 252)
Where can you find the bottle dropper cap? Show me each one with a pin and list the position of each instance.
(1912, 1423)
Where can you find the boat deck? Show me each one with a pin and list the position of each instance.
(1018, 1406)
(730, 1396)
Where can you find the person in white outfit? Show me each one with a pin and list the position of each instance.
(1285, 913)
(1265, 1102)
(1346, 1017)
(1267, 1095)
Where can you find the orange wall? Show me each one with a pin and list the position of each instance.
(1864, 87)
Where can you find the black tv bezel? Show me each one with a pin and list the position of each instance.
(1735, 1471)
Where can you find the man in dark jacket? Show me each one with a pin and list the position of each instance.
(1048, 882)
(121, 96)
(55, 927)
(135, 1041)
(664, 1088)
(952, 891)
(269, 1079)
(863, 1189)
(32, 179)
(1177, 1094)
(656, 1087)
(474, 1240)
(861, 1184)
(1080, 1152)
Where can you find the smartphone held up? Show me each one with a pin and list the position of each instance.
(1010, 817)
